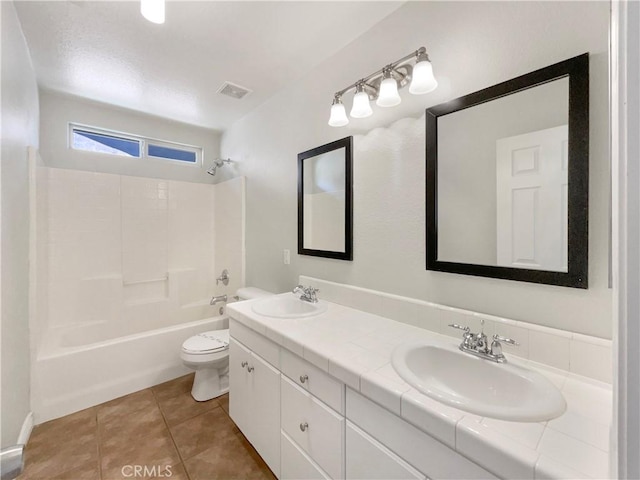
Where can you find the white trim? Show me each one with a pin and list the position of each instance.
(25, 431)
(625, 152)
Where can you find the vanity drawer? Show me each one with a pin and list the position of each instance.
(312, 379)
(422, 451)
(314, 427)
(256, 342)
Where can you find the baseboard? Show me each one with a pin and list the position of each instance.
(25, 431)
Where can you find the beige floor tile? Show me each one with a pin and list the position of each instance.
(182, 407)
(126, 405)
(235, 459)
(200, 433)
(174, 387)
(152, 450)
(59, 454)
(132, 426)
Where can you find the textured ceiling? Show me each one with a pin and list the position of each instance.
(106, 51)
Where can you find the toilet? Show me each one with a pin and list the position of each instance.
(208, 354)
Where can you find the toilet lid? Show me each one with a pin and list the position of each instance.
(207, 342)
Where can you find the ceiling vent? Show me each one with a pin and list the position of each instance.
(234, 91)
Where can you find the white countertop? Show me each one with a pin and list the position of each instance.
(355, 347)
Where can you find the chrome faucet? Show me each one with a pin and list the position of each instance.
(308, 293)
(219, 298)
(476, 344)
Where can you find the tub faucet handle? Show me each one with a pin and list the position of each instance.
(224, 278)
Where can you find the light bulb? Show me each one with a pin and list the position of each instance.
(388, 96)
(423, 80)
(152, 10)
(361, 107)
(338, 117)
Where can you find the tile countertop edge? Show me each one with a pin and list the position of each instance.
(507, 455)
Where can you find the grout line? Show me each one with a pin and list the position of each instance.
(99, 443)
(175, 445)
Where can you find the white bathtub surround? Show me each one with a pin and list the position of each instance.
(580, 354)
(354, 347)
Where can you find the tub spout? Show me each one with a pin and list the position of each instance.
(219, 298)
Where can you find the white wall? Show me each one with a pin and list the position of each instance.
(58, 110)
(472, 45)
(19, 130)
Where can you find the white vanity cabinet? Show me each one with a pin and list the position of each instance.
(254, 398)
(306, 424)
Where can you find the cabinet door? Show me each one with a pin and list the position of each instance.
(296, 465)
(240, 386)
(368, 459)
(264, 432)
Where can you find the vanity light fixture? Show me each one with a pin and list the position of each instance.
(152, 10)
(383, 85)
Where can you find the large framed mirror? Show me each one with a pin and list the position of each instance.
(325, 214)
(507, 184)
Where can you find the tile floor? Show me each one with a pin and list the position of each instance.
(161, 428)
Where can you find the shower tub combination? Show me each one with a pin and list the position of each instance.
(70, 376)
(124, 268)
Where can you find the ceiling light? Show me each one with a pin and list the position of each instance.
(361, 107)
(388, 96)
(338, 116)
(152, 10)
(383, 86)
(423, 80)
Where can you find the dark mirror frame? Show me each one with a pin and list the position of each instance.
(347, 144)
(577, 71)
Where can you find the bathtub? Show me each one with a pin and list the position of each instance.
(67, 377)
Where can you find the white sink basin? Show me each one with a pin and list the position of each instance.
(503, 391)
(288, 306)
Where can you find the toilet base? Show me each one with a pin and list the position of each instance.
(209, 383)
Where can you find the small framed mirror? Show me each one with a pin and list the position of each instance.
(507, 183)
(325, 215)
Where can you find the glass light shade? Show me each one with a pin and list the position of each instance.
(152, 10)
(361, 107)
(423, 80)
(388, 96)
(338, 116)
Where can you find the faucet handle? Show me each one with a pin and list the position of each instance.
(460, 327)
(506, 340)
(298, 289)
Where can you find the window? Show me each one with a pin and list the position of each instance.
(99, 142)
(180, 154)
(114, 143)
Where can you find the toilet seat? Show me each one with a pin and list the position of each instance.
(215, 341)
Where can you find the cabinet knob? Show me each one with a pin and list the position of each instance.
(304, 378)
(249, 369)
(244, 364)
(304, 426)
